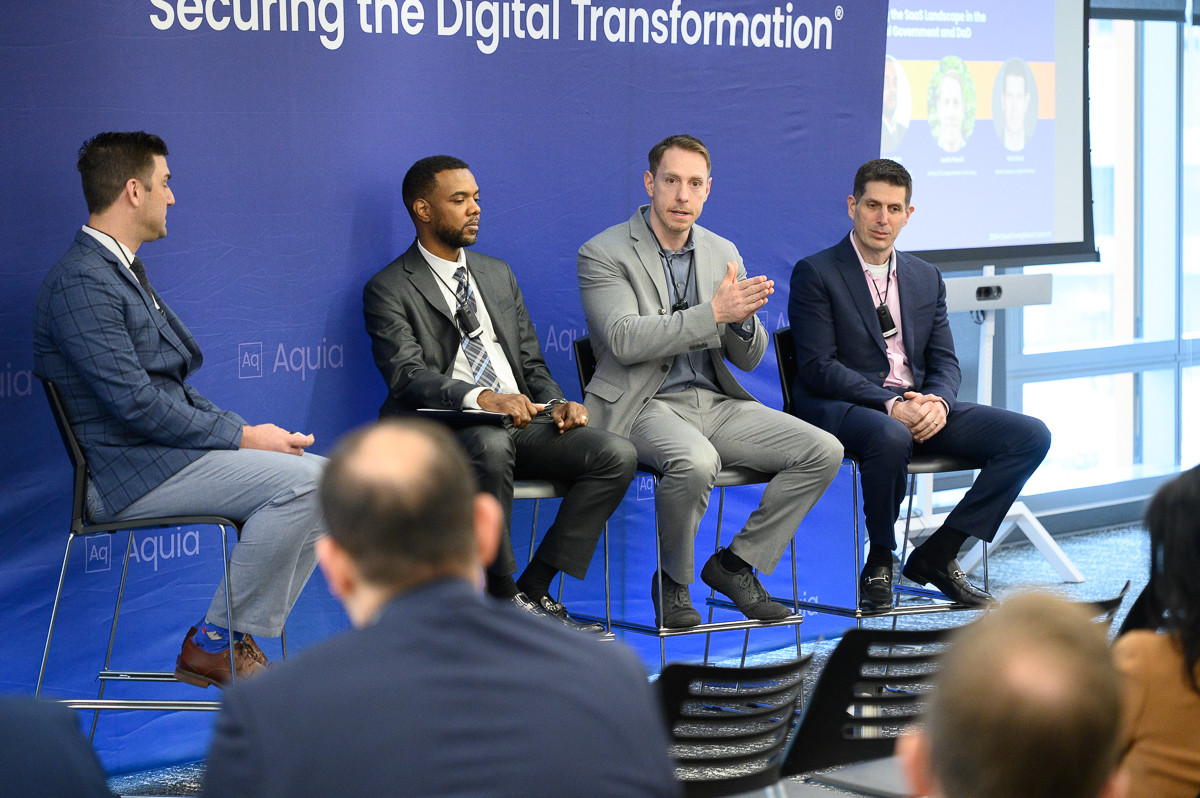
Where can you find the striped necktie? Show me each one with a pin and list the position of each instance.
(477, 356)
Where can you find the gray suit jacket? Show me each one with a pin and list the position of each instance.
(634, 333)
(415, 341)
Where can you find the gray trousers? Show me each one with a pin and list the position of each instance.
(274, 495)
(689, 436)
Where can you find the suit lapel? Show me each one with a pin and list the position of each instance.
(159, 320)
(490, 289)
(852, 273)
(421, 276)
(906, 283)
(709, 273)
(646, 246)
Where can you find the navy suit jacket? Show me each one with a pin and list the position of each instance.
(414, 338)
(42, 752)
(121, 367)
(449, 693)
(841, 356)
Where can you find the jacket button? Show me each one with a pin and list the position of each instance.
(883, 375)
(666, 369)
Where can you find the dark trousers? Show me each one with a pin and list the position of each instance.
(597, 466)
(1011, 446)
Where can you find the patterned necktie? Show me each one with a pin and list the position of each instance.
(139, 271)
(477, 357)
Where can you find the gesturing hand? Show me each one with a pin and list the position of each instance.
(737, 300)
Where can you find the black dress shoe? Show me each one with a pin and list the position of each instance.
(551, 610)
(948, 578)
(677, 611)
(875, 588)
(559, 612)
(743, 589)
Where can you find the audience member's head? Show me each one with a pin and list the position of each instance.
(1027, 704)
(1173, 519)
(108, 160)
(400, 502)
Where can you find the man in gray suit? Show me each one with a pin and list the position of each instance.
(450, 331)
(667, 302)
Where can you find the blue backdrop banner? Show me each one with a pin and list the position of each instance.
(290, 125)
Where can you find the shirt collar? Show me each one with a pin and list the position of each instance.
(124, 254)
(442, 263)
(866, 267)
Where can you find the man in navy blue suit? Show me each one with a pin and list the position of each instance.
(876, 367)
(155, 447)
(439, 690)
(42, 752)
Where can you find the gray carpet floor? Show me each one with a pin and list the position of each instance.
(1107, 559)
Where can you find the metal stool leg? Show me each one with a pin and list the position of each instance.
(112, 634)
(712, 593)
(228, 602)
(54, 615)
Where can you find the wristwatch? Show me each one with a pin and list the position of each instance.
(558, 401)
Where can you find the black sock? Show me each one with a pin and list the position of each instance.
(878, 556)
(943, 545)
(667, 581)
(501, 585)
(535, 582)
(731, 562)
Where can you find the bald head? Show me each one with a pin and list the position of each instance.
(398, 497)
(1027, 704)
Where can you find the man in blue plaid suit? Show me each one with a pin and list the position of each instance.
(120, 357)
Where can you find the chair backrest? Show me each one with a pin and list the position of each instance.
(585, 362)
(785, 356)
(74, 452)
(1105, 609)
(873, 685)
(729, 726)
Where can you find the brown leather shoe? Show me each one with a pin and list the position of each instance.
(198, 667)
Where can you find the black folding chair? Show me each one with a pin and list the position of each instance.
(730, 726)
(80, 527)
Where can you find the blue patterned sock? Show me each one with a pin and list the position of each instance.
(211, 638)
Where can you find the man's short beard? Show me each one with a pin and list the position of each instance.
(455, 237)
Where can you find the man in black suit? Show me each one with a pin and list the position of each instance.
(439, 690)
(450, 331)
(876, 367)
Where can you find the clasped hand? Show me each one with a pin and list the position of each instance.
(521, 410)
(923, 413)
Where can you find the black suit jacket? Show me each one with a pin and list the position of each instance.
(42, 752)
(841, 357)
(414, 338)
(449, 693)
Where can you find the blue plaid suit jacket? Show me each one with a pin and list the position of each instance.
(121, 367)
